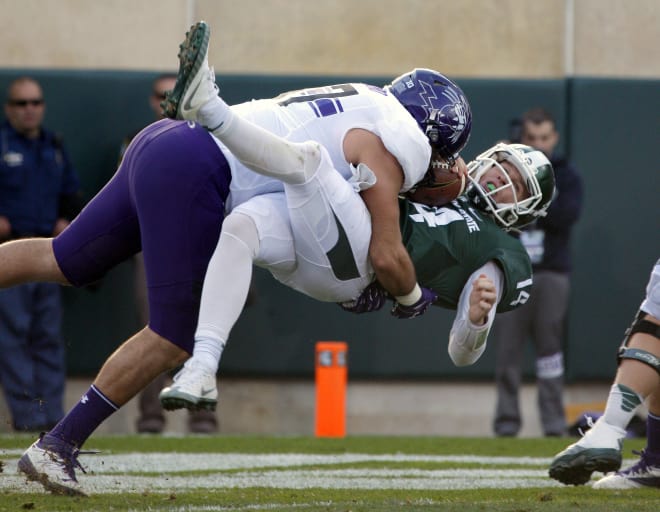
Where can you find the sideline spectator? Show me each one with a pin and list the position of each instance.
(39, 195)
(543, 318)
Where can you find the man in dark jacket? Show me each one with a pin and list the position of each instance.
(543, 318)
(39, 195)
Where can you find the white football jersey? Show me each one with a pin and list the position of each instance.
(325, 115)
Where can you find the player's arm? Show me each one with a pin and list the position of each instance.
(392, 264)
(475, 314)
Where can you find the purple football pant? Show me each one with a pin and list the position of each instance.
(167, 199)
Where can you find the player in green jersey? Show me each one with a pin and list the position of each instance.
(461, 252)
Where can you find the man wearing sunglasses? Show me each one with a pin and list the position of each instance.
(39, 195)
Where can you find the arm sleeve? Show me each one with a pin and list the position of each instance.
(468, 341)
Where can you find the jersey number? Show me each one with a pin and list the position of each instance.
(322, 100)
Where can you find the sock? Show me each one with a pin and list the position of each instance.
(92, 410)
(622, 403)
(260, 150)
(223, 302)
(215, 115)
(653, 436)
(207, 352)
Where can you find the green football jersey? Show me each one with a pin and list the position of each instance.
(449, 243)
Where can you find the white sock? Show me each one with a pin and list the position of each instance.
(622, 404)
(226, 287)
(214, 115)
(260, 150)
(207, 353)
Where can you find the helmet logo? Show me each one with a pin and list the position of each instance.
(452, 115)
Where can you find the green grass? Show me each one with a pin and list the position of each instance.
(546, 497)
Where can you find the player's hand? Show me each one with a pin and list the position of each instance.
(482, 299)
(371, 299)
(418, 308)
(459, 167)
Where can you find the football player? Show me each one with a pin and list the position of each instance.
(168, 198)
(320, 205)
(637, 379)
(460, 251)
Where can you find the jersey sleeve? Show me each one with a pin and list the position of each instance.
(467, 342)
(517, 269)
(409, 145)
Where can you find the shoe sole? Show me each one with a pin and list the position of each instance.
(27, 468)
(577, 469)
(190, 60)
(172, 403)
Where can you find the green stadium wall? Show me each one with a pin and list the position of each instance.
(609, 127)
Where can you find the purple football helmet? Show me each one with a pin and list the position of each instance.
(440, 108)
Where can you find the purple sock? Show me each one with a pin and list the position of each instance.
(92, 409)
(653, 436)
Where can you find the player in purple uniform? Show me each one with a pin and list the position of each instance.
(168, 198)
(175, 218)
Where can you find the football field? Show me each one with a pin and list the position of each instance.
(230, 473)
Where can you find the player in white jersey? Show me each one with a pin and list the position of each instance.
(637, 379)
(434, 103)
(326, 115)
(315, 238)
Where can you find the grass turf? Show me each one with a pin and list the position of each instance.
(281, 498)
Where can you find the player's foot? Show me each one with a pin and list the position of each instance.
(646, 473)
(598, 450)
(195, 82)
(193, 388)
(53, 465)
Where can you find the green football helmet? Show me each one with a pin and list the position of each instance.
(538, 177)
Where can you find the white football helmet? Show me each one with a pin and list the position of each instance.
(538, 177)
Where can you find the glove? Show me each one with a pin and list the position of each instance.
(371, 299)
(418, 308)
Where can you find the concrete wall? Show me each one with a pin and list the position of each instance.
(470, 38)
(287, 407)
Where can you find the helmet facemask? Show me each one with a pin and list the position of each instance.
(526, 205)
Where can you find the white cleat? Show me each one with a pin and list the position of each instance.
(194, 388)
(195, 82)
(52, 468)
(642, 474)
(599, 450)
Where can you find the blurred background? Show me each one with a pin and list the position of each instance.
(594, 64)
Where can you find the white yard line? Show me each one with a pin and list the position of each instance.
(125, 473)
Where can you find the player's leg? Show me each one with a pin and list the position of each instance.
(646, 471)
(225, 290)
(180, 214)
(195, 97)
(257, 231)
(638, 376)
(27, 260)
(641, 377)
(331, 228)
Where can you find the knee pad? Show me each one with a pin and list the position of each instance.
(242, 227)
(643, 356)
